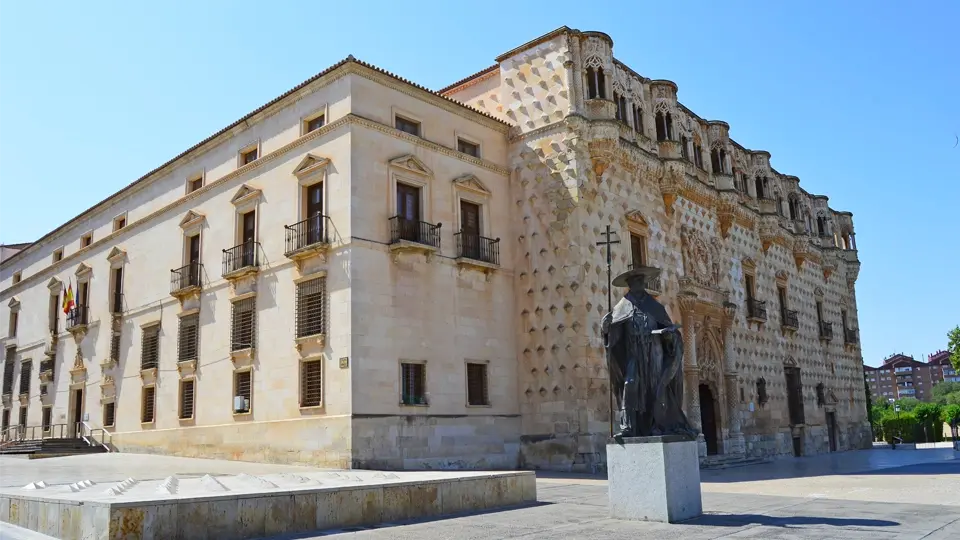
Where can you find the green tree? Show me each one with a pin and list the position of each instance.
(950, 414)
(928, 417)
(953, 345)
(908, 404)
(946, 392)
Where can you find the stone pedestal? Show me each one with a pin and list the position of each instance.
(654, 479)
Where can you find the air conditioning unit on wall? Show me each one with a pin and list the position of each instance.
(240, 404)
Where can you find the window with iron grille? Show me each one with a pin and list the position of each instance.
(8, 365)
(477, 393)
(413, 384)
(150, 352)
(109, 414)
(310, 319)
(243, 335)
(189, 337)
(25, 369)
(242, 388)
(186, 398)
(148, 406)
(311, 383)
(23, 416)
(47, 415)
(115, 346)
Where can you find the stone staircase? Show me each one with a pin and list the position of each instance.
(50, 447)
(726, 461)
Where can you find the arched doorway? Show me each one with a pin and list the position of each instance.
(709, 423)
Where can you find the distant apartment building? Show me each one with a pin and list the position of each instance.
(902, 376)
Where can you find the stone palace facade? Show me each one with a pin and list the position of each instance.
(367, 273)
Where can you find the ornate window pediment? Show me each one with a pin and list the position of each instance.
(782, 277)
(55, 285)
(14, 304)
(790, 362)
(748, 264)
(245, 195)
(471, 183)
(83, 270)
(310, 165)
(636, 217)
(116, 255)
(411, 163)
(191, 219)
(817, 291)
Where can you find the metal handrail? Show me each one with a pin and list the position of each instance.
(78, 316)
(185, 276)
(91, 436)
(756, 309)
(309, 232)
(826, 330)
(478, 248)
(790, 318)
(412, 230)
(245, 255)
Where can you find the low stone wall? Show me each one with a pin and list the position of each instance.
(314, 441)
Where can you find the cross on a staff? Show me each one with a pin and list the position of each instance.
(607, 243)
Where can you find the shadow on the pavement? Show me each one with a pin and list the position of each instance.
(739, 520)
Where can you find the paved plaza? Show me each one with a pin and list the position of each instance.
(875, 494)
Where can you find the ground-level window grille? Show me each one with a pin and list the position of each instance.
(189, 337)
(242, 391)
(413, 384)
(311, 383)
(309, 309)
(187, 388)
(243, 334)
(109, 414)
(115, 347)
(150, 348)
(25, 369)
(23, 416)
(46, 420)
(477, 393)
(149, 405)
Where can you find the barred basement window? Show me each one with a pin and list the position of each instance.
(25, 369)
(413, 383)
(46, 419)
(186, 399)
(242, 334)
(147, 406)
(188, 338)
(477, 393)
(309, 314)
(150, 348)
(242, 400)
(109, 414)
(311, 383)
(115, 347)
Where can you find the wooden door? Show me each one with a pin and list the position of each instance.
(408, 209)
(470, 230)
(314, 213)
(249, 236)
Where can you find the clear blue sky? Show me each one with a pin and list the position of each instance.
(861, 100)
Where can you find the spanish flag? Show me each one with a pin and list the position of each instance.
(68, 300)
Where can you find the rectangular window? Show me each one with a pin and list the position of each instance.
(25, 368)
(16, 277)
(468, 147)
(243, 335)
(194, 184)
(843, 319)
(53, 312)
(116, 300)
(186, 399)
(5, 421)
(45, 420)
(23, 416)
(14, 321)
(637, 119)
(119, 223)
(242, 392)
(86, 240)
(109, 414)
(248, 156)
(314, 124)
(188, 338)
(819, 312)
(751, 292)
(309, 309)
(477, 393)
(148, 405)
(311, 383)
(413, 383)
(782, 297)
(58, 255)
(408, 202)
(406, 125)
(638, 250)
(8, 366)
(150, 347)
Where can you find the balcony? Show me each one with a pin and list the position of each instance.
(185, 280)
(850, 337)
(77, 318)
(756, 310)
(473, 249)
(241, 260)
(789, 319)
(47, 368)
(307, 238)
(826, 331)
(413, 235)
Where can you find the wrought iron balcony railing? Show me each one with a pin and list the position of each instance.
(48, 365)
(826, 330)
(312, 231)
(850, 336)
(245, 255)
(756, 309)
(185, 277)
(410, 230)
(790, 318)
(478, 248)
(77, 317)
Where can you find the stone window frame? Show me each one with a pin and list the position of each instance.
(321, 111)
(749, 268)
(469, 188)
(246, 149)
(86, 239)
(119, 222)
(308, 179)
(201, 175)
(249, 412)
(466, 383)
(638, 226)
(46, 422)
(426, 380)
(84, 275)
(246, 199)
(461, 136)
(422, 181)
(323, 381)
(143, 405)
(57, 255)
(409, 117)
(103, 412)
(13, 321)
(180, 401)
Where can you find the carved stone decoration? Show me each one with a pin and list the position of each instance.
(726, 215)
(669, 189)
(708, 357)
(800, 252)
(701, 258)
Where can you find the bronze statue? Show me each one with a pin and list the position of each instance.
(645, 359)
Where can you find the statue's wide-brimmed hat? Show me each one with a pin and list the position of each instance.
(647, 272)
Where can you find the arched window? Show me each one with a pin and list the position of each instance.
(596, 85)
(821, 226)
(716, 161)
(780, 206)
(698, 155)
(794, 203)
(637, 119)
(664, 126)
(760, 182)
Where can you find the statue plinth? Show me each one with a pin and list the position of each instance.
(654, 478)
